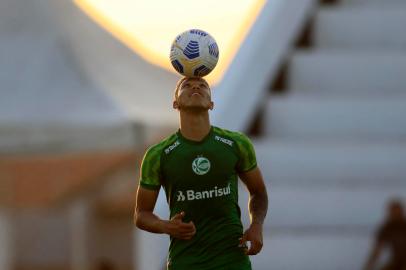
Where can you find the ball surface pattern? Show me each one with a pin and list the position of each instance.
(194, 53)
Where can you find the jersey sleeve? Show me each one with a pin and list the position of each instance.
(247, 158)
(151, 169)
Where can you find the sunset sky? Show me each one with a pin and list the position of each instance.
(149, 26)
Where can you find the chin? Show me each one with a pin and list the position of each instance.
(196, 108)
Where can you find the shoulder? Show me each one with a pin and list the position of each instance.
(242, 145)
(157, 149)
(229, 134)
(151, 163)
(238, 138)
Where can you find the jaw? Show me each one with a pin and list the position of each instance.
(196, 101)
(195, 107)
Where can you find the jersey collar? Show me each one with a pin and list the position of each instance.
(183, 139)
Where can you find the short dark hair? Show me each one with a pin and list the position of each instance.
(177, 87)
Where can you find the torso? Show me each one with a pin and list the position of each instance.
(201, 179)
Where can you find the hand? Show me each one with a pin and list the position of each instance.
(179, 229)
(253, 235)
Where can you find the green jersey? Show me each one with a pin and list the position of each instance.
(200, 178)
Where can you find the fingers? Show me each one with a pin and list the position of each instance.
(190, 229)
(179, 216)
(255, 248)
(255, 242)
(185, 235)
(243, 243)
(191, 225)
(243, 239)
(186, 228)
(180, 229)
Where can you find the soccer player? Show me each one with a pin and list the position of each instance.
(198, 168)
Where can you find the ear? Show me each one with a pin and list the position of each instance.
(175, 105)
(211, 105)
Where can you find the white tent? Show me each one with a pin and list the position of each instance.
(144, 90)
(68, 85)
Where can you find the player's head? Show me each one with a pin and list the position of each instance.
(395, 210)
(192, 94)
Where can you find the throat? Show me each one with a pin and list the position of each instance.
(195, 133)
(195, 136)
(194, 127)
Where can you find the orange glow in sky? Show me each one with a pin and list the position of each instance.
(149, 26)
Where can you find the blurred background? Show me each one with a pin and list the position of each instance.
(86, 86)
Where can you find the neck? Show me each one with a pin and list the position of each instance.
(194, 125)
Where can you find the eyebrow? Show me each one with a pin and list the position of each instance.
(201, 81)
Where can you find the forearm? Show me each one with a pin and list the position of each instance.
(149, 222)
(258, 207)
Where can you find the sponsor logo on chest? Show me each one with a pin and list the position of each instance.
(191, 195)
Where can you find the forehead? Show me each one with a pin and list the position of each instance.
(194, 80)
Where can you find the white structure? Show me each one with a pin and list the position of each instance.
(333, 148)
(144, 91)
(245, 83)
(47, 103)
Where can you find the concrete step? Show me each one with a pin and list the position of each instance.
(317, 209)
(327, 165)
(312, 252)
(335, 71)
(361, 28)
(326, 118)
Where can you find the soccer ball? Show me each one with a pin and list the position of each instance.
(194, 53)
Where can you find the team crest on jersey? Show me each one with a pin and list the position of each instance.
(201, 165)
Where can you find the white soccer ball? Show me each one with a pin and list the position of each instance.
(194, 53)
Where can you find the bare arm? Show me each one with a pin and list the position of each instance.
(373, 257)
(258, 203)
(145, 219)
(258, 207)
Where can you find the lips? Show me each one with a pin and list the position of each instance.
(196, 93)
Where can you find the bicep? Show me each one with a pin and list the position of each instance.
(253, 180)
(146, 199)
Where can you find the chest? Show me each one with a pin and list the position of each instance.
(199, 165)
